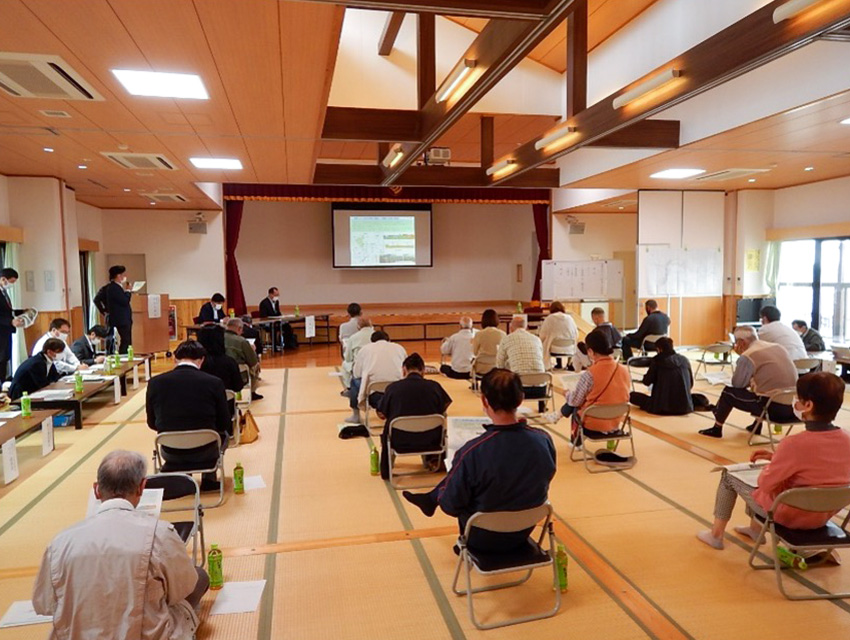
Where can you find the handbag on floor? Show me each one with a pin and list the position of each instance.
(249, 430)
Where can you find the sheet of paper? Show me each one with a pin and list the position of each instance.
(238, 597)
(310, 327)
(335, 374)
(460, 431)
(718, 377)
(47, 444)
(138, 285)
(21, 613)
(8, 415)
(52, 394)
(154, 305)
(254, 482)
(10, 461)
(749, 476)
(150, 503)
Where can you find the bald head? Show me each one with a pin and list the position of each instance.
(466, 322)
(518, 322)
(121, 474)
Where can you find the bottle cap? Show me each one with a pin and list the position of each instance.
(238, 464)
(213, 546)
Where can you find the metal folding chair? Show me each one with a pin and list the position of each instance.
(562, 348)
(780, 396)
(378, 386)
(414, 424)
(637, 362)
(480, 367)
(650, 339)
(828, 537)
(721, 349)
(190, 440)
(624, 432)
(539, 380)
(807, 365)
(527, 558)
(177, 486)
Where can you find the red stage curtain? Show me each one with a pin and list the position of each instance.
(232, 224)
(541, 226)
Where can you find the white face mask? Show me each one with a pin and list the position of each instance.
(275, 299)
(797, 412)
(217, 307)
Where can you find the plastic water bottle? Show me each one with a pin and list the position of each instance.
(214, 567)
(562, 560)
(26, 405)
(791, 559)
(374, 466)
(238, 478)
(78, 382)
(611, 445)
(231, 312)
(519, 307)
(297, 311)
(131, 355)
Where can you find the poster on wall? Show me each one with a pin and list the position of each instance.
(172, 322)
(154, 305)
(752, 260)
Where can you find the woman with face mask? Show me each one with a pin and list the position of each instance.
(212, 311)
(819, 456)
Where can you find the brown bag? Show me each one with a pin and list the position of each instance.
(248, 428)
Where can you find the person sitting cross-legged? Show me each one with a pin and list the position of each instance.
(671, 380)
(459, 347)
(816, 457)
(507, 468)
(120, 573)
(413, 395)
(656, 323)
(763, 367)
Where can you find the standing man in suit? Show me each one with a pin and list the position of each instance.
(187, 399)
(212, 311)
(113, 300)
(656, 323)
(85, 348)
(270, 305)
(8, 323)
(38, 371)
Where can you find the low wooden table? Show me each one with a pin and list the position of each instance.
(14, 428)
(74, 402)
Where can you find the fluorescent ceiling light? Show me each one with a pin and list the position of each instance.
(809, 169)
(162, 85)
(847, 121)
(553, 137)
(48, 149)
(82, 166)
(645, 87)
(455, 78)
(500, 166)
(394, 156)
(677, 174)
(791, 9)
(216, 163)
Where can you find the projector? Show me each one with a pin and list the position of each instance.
(438, 155)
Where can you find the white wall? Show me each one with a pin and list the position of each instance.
(180, 264)
(755, 216)
(813, 204)
(72, 248)
(476, 250)
(90, 227)
(604, 233)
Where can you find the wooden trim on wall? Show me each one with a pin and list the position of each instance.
(88, 245)
(836, 229)
(11, 234)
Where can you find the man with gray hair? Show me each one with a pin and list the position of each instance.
(120, 573)
(241, 350)
(763, 367)
(459, 347)
(522, 352)
(352, 346)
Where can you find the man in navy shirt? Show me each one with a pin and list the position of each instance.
(507, 468)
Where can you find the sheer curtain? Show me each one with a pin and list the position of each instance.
(771, 266)
(19, 343)
(91, 272)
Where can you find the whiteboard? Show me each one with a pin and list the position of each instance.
(581, 280)
(670, 271)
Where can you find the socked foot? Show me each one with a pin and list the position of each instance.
(422, 500)
(712, 432)
(710, 540)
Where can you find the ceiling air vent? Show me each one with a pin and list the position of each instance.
(140, 160)
(54, 113)
(30, 75)
(165, 197)
(729, 174)
(619, 204)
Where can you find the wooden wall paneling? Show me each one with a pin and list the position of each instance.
(702, 320)
(11, 234)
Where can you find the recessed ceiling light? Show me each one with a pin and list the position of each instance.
(677, 174)
(809, 169)
(48, 149)
(216, 163)
(126, 189)
(162, 85)
(845, 121)
(82, 166)
(751, 180)
(153, 203)
(621, 208)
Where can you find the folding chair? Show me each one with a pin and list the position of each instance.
(377, 386)
(828, 537)
(414, 424)
(561, 348)
(245, 372)
(721, 349)
(650, 339)
(807, 365)
(190, 440)
(539, 380)
(617, 354)
(637, 362)
(780, 396)
(176, 486)
(604, 412)
(480, 368)
(527, 558)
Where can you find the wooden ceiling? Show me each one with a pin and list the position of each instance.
(786, 144)
(605, 18)
(266, 64)
(619, 204)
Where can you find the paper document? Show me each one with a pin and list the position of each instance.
(47, 442)
(52, 394)
(718, 377)
(21, 613)
(461, 430)
(238, 597)
(151, 503)
(747, 472)
(8, 415)
(10, 461)
(335, 374)
(138, 285)
(254, 482)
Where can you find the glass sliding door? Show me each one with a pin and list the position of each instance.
(834, 323)
(795, 280)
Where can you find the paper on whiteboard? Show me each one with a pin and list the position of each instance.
(154, 305)
(21, 613)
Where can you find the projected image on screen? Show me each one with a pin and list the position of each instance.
(383, 241)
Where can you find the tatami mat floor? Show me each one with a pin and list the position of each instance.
(345, 557)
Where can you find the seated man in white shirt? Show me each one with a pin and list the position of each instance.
(774, 331)
(120, 573)
(522, 352)
(66, 362)
(459, 347)
(378, 361)
(361, 337)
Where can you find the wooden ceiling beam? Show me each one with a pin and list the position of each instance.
(381, 125)
(391, 28)
(645, 134)
(500, 46)
(426, 58)
(746, 45)
(577, 60)
(421, 176)
(512, 9)
(488, 140)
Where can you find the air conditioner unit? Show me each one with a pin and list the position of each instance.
(140, 160)
(165, 197)
(729, 174)
(438, 155)
(31, 75)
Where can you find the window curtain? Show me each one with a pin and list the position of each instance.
(232, 225)
(94, 314)
(541, 227)
(19, 341)
(771, 266)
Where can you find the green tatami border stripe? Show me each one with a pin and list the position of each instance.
(264, 626)
(34, 502)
